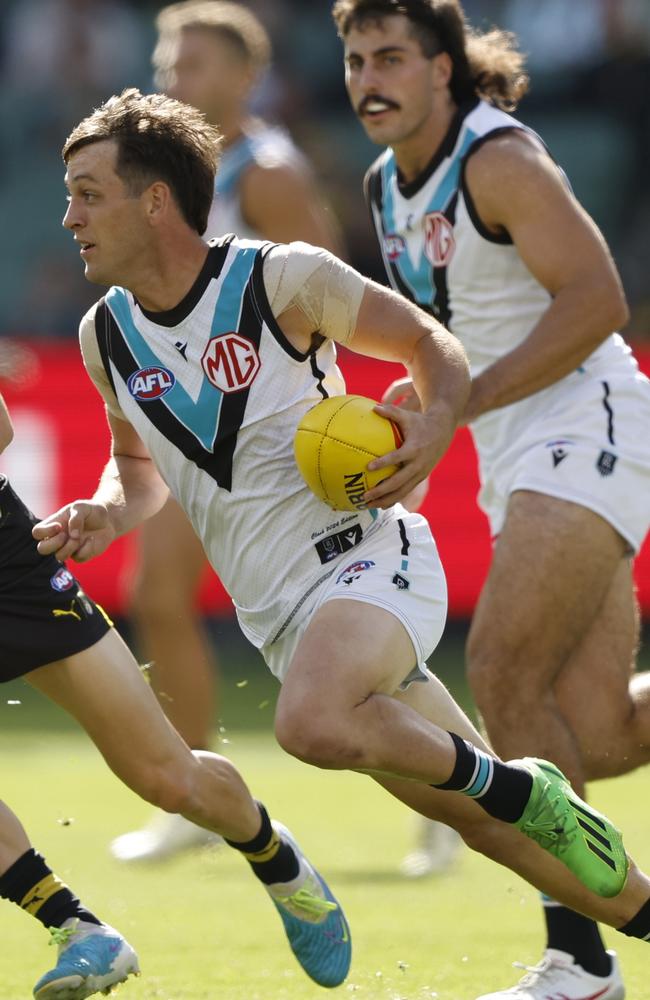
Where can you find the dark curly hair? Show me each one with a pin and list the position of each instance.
(486, 65)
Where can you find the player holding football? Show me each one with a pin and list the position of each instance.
(210, 54)
(61, 643)
(214, 424)
(479, 227)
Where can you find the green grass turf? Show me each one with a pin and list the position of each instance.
(201, 924)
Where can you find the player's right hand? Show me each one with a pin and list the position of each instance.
(81, 530)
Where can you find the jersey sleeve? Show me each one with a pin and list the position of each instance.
(324, 288)
(93, 363)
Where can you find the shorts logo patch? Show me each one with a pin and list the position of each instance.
(62, 580)
(400, 582)
(354, 571)
(331, 546)
(558, 451)
(606, 462)
(151, 383)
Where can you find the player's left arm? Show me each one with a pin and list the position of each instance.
(281, 203)
(518, 189)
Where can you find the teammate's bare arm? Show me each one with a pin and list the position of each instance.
(517, 189)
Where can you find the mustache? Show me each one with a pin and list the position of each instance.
(370, 99)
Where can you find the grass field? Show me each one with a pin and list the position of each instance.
(201, 924)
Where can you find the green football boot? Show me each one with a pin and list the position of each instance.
(575, 833)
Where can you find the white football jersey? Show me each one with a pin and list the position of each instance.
(438, 253)
(216, 391)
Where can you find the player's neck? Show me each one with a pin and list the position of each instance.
(167, 277)
(414, 153)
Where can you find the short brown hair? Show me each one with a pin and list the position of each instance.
(158, 138)
(486, 65)
(236, 24)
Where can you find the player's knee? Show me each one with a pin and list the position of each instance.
(312, 739)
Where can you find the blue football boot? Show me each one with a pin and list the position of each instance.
(314, 921)
(93, 958)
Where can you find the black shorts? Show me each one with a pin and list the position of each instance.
(44, 614)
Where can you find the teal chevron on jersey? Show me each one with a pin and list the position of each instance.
(200, 416)
(419, 275)
(227, 311)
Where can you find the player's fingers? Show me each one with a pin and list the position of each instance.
(77, 521)
(86, 550)
(51, 543)
(46, 529)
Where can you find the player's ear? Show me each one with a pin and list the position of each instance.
(157, 201)
(443, 69)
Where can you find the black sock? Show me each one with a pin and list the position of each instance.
(271, 858)
(579, 936)
(639, 926)
(35, 888)
(501, 789)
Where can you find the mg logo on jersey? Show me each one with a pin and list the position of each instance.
(150, 383)
(231, 362)
(439, 243)
(394, 245)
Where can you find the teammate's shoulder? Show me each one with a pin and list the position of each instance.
(506, 152)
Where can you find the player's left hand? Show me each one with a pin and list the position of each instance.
(79, 531)
(426, 438)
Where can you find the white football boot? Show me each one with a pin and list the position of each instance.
(164, 836)
(559, 977)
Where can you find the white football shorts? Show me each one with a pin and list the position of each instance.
(591, 447)
(397, 568)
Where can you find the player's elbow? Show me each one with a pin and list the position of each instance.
(608, 305)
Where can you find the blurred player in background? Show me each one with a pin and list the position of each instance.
(61, 643)
(478, 226)
(212, 55)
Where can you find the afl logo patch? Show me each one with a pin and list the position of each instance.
(394, 246)
(62, 580)
(439, 243)
(231, 362)
(150, 383)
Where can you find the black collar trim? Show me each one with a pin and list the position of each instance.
(445, 149)
(172, 317)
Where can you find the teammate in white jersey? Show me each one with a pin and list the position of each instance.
(207, 357)
(478, 226)
(211, 54)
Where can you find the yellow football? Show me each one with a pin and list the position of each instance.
(334, 442)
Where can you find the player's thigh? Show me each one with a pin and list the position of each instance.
(103, 689)
(171, 557)
(551, 570)
(593, 688)
(349, 651)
